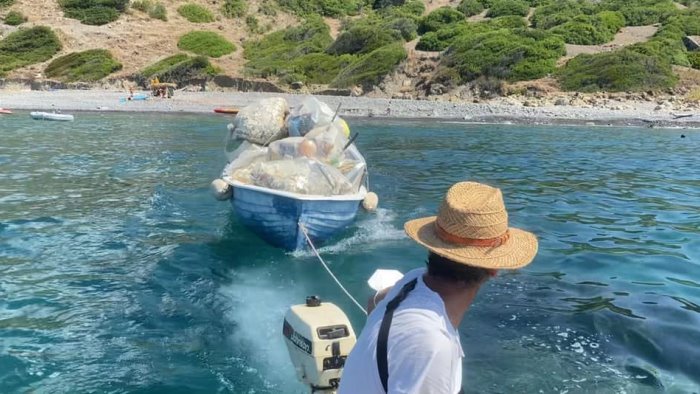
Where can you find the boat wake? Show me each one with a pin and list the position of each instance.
(374, 228)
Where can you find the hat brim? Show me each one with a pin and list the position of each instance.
(518, 251)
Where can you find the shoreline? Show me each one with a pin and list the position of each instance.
(494, 112)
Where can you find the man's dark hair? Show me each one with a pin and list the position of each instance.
(445, 268)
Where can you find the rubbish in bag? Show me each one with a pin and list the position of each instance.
(244, 158)
(284, 149)
(300, 175)
(261, 122)
(311, 114)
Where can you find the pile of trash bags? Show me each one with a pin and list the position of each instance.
(305, 150)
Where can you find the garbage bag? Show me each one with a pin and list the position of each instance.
(300, 175)
(261, 122)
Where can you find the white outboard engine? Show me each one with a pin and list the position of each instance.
(319, 338)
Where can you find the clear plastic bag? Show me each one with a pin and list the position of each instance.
(261, 122)
(310, 114)
(300, 175)
(286, 148)
(244, 158)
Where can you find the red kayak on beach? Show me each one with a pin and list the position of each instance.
(5, 111)
(226, 110)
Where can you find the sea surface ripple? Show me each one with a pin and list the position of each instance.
(120, 273)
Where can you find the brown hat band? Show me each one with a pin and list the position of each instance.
(456, 239)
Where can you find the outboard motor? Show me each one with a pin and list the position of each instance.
(319, 338)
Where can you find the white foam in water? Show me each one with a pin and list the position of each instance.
(378, 227)
(257, 308)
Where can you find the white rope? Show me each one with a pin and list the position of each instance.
(306, 234)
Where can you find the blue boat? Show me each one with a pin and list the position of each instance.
(276, 216)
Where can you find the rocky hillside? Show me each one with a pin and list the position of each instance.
(461, 49)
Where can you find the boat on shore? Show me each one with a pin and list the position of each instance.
(226, 110)
(51, 116)
(5, 111)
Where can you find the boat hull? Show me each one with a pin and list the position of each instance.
(275, 216)
(51, 116)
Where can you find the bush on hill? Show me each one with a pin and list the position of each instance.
(641, 12)
(27, 46)
(6, 3)
(273, 54)
(195, 13)
(514, 55)
(364, 36)
(412, 9)
(320, 68)
(98, 12)
(177, 69)
(508, 7)
(694, 59)
(334, 8)
(234, 8)
(439, 18)
(91, 65)
(664, 49)
(153, 9)
(371, 68)
(14, 18)
(206, 43)
(443, 38)
(470, 7)
(387, 3)
(560, 12)
(622, 70)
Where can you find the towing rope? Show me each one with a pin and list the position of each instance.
(308, 240)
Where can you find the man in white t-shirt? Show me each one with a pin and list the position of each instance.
(410, 343)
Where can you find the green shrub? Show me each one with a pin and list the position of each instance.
(162, 65)
(27, 46)
(443, 38)
(470, 7)
(267, 7)
(334, 8)
(273, 54)
(371, 68)
(610, 21)
(178, 69)
(320, 68)
(88, 66)
(622, 70)
(641, 12)
(234, 8)
(438, 19)
(580, 33)
(668, 50)
(560, 12)
(412, 9)
(159, 12)
(153, 9)
(195, 13)
(694, 60)
(205, 43)
(6, 3)
(98, 12)
(142, 5)
(363, 37)
(14, 18)
(516, 54)
(253, 24)
(387, 3)
(508, 7)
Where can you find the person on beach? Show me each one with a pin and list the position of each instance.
(410, 343)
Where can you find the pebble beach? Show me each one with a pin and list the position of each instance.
(505, 110)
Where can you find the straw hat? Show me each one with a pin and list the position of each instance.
(472, 228)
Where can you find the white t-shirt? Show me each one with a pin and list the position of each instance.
(423, 350)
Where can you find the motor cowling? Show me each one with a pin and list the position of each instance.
(319, 338)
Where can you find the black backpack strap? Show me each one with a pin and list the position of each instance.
(382, 339)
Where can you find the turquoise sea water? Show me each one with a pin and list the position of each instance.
(120, 273)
